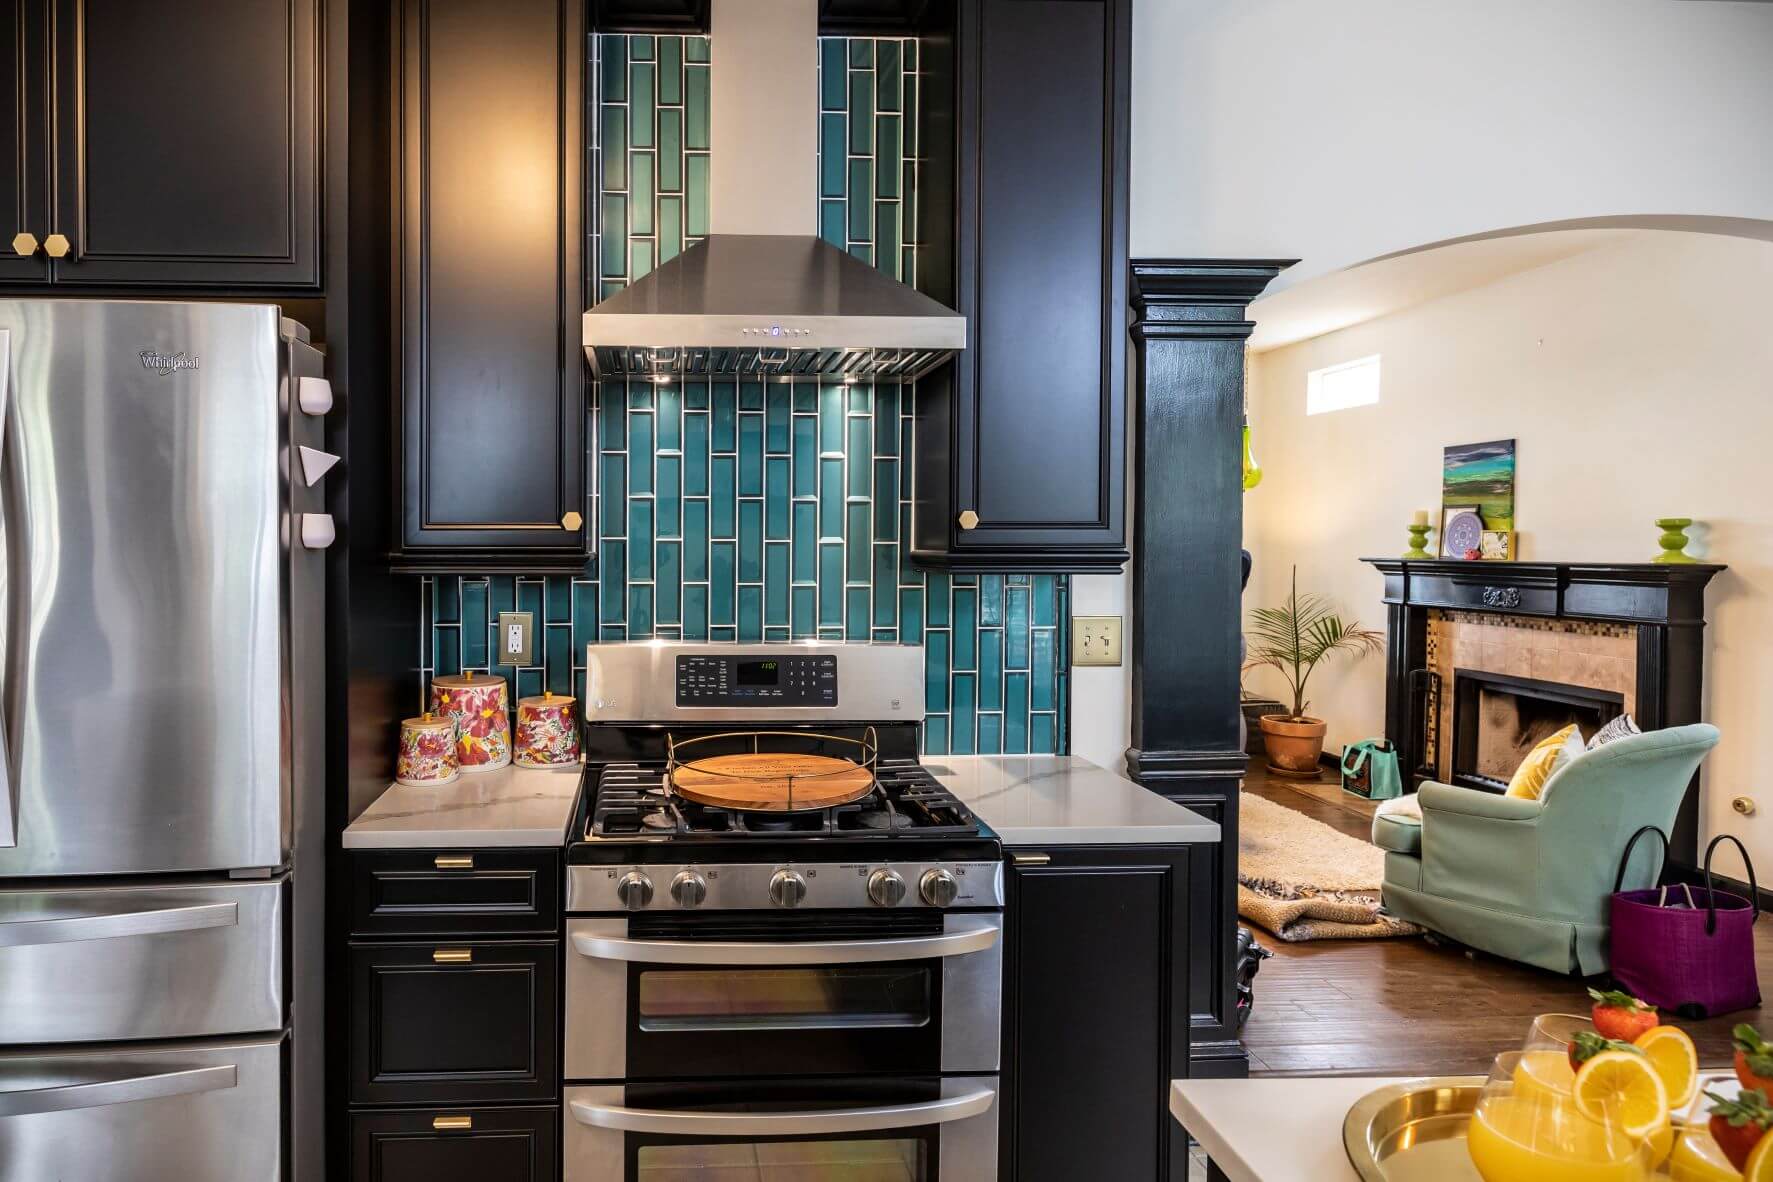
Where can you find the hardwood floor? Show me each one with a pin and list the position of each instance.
(1401, 1007)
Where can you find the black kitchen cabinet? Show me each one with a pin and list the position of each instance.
(1021, 443)
(488, 211)
(1096, 1013)
(453, 1011)
(171, 145)
(455, 1022)
(456, 1145)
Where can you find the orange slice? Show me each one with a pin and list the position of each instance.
(1673, 1056)
(1622, 1089)
(1759, 1167)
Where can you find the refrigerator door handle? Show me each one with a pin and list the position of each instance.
(63, 929)
(8, 790)
(103, 1093)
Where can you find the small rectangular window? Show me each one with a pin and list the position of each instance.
(1338, 387)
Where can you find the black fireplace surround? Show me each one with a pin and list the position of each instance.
(1666, 603)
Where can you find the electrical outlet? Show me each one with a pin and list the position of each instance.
(1095, 640)
(517, 641)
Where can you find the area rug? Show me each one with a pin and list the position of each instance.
(1302, 880)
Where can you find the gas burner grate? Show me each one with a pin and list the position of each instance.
(634, 800)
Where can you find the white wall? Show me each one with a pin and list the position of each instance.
(1638, 382)
(1338, 132)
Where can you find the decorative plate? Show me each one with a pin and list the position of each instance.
(1462, 531)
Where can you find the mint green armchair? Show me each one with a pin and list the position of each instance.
(1529, 879)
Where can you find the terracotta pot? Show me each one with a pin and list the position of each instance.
(1294, 744)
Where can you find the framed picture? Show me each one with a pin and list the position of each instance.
(1481, 474)
(1462, 530)
(1497, 545)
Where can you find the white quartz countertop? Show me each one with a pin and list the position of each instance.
(1235, 1122)
(1066, 800)
(512, 806)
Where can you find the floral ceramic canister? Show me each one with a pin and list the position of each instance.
(482, 718)
(427, 751)
(547, 734)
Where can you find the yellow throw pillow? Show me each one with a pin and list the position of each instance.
(1545, 758)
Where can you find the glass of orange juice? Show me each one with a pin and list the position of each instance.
(1557, 1031)
(1527, 1129)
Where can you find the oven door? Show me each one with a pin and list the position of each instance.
(909, 1130)
(716, 995)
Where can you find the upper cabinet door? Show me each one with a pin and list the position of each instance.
(1021, 461)
(187, 143)
(489, 208)
(24, 141)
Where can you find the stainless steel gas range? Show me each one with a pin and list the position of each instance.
(805, 989)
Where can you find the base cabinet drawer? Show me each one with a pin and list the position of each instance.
(454, 1022)
(456, 1145)
(436, 892)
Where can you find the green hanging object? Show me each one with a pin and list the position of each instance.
(1252, 470)
(1673, 539)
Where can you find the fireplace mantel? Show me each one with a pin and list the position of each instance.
(1665, 604)
(1630, 592)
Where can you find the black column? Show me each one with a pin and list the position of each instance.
(1189, 331)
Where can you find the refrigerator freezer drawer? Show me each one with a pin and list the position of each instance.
(137, 962)
(192, 1112)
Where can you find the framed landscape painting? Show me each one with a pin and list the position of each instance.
(1481, 474)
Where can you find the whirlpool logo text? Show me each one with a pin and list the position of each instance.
(165, 363)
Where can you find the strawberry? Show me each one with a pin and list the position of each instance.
(1738, 1125)
(1588, 1044)
(1754, 1058)
(1620, 1015)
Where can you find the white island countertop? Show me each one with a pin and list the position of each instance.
(512, 806)
(1235, 1121)
(1065, 800)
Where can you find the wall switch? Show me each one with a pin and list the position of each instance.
(517, 641)
(1095, 640)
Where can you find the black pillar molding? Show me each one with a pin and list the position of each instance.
(1189, 331)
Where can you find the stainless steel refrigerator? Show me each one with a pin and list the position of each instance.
(162, 535)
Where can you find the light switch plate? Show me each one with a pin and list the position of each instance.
(516, 639)
(1095, 640)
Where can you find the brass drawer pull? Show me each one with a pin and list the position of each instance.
(447, 1123)
(452, 956)
(453, 861)
(1031, 859)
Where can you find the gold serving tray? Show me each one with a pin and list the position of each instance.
(1414, 1132)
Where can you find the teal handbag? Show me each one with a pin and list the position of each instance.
(1369, 769)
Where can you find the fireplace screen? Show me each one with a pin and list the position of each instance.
(1498, 719)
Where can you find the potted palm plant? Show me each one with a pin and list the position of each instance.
(1295, 638)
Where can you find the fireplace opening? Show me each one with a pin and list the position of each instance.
(1498, 719)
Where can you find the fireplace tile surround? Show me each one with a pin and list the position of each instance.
(1635, 629)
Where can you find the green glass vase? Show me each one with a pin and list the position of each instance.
(1252, 470)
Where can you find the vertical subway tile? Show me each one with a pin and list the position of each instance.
(670, 58)
(936, 599)
(1015, 713)
(722, 583)
(935, 672)
(831, 498)
(910, 615)
(830, 584)
(750, 541)
(857, 564)
(990, 734)
(723, 497)
(668, 416)
(695, 196)
(640, 539)
(806, 456)
(885, 579)
(667, 588)
(695, 540)
(1042, 680)
(1042, 738)
(990, 669)
(750, 455)
(1015, 629)
(806, 542)
(695, 108)
(805, 622)
(695, 454)
(833, 73)
(640, 611)
(695, 611)
(776, 489)
(966, 627)
(750, 615)
(612, 496)
(557, 593)
(666, 499)
(775, 584)
(961, 715)
(612, 572)
(723, 416)
(640, 453)
(778, 405)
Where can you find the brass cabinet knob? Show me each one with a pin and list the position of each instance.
(56, 246)
(969, 519)
(571, 521)
(24, 244)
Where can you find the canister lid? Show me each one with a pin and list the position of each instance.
(469, 680)
(549, 701)
(429, 722)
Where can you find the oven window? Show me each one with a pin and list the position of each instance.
(770, 1161)
(827, 997)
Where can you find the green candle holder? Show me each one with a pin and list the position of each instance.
(1419, 542)
(1673, 539)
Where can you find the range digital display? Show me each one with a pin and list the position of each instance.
(758, 672)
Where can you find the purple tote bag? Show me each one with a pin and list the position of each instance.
(1688, 951)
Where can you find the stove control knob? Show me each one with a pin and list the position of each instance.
(886, 888)
(689, 889)
(939, 888)
(635, 890)
(787, 889)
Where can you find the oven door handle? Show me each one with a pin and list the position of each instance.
(955, 943)
(819, 1122)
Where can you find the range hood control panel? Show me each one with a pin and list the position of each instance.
(763, 680)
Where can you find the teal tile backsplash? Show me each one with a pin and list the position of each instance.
(752, 512)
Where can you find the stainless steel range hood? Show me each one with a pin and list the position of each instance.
(760, 296)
